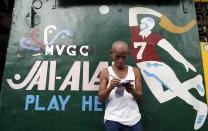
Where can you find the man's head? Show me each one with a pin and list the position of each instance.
(119, 53)
(147, 23)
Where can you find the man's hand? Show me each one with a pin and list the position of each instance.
(104, 91)
(114, 83)
(130, 88)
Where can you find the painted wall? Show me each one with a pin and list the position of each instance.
(58, 47)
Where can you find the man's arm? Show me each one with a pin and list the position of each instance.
(175, 54)
(137, 91)
(133, 12)
(104, 91)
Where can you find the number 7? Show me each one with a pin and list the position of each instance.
(140, 52)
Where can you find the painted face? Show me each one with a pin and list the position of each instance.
(119, 57)
(147, 23)
(143, 25)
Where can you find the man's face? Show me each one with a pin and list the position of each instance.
(119, 57)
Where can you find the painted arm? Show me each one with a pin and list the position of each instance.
(164, 21)
(175, 54)
(133, 12)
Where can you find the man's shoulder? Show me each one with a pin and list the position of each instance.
(104, 71)
(136, 70)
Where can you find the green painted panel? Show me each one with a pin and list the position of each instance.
(41, 91)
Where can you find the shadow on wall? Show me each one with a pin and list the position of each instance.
(67, 3)
(6, 7)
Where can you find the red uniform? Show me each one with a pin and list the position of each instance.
(143, 49)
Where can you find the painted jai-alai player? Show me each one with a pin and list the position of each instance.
(157, 73)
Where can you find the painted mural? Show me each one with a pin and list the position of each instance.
(57, 49)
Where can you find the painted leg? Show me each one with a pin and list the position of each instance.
(201, 116)
(175, 85)
(155, 85)
(197, 83)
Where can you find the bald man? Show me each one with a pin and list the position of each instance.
(120, 87)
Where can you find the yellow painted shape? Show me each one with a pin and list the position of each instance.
(201, 0)
(204, 51)
(169, 26)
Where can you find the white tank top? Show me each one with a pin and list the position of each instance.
(121, 105)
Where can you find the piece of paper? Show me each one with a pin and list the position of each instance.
(126, 82)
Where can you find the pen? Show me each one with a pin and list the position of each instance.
(113, 76)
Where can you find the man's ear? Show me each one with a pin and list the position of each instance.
(129, 52)
(110, 53)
